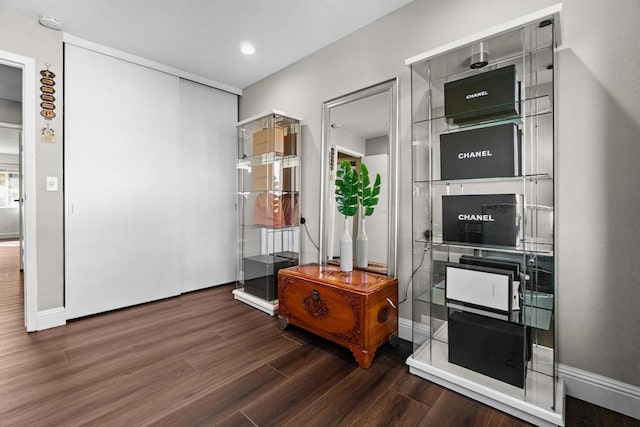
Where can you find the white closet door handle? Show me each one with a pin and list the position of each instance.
(70, 209)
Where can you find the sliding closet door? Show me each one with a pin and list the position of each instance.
(122, 178)
(208, 188)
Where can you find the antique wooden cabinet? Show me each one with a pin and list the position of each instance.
(357, 310)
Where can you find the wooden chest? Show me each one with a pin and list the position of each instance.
(357, 310)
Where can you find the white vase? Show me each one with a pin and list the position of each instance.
(362, 246)
(346, 249)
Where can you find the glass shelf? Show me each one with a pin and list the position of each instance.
(531, 107)
(287, 160)
(520, 249)
(529, 178)
(274, 192)
(260, 227)
(537, 311)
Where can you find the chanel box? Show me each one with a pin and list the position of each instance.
(491, 347)
(480, 287)
(261, 275)
(501, 264)
(485, 96)
(485, 219)
(487, 152)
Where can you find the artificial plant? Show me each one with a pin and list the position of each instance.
(368, 193)
(347, 184)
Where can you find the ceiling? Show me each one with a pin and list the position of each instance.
(366, 118)
(203, 36)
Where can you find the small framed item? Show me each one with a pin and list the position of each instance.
(479, 287)
(489, 95)
(488, 152)
(482, 219)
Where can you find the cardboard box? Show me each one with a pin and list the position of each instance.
(290, 179)
(291, 144)
(269, 211)
(268, 141)
(265, 177)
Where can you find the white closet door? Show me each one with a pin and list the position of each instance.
(122, 238)
(208, 188)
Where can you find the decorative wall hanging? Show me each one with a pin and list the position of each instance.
(48, 106)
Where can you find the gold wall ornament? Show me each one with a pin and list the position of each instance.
(48, 134)
(47, 73)
(47, 114)
(48, 99)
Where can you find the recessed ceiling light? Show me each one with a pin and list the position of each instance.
(50, 22)
(247, 48)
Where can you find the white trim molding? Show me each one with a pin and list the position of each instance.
(51, 318)
(105, 50)
(28, 67)
(602, 391)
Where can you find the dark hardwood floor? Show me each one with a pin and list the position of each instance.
(205, 359)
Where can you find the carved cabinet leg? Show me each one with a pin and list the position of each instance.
(283, 322)
(363, 357)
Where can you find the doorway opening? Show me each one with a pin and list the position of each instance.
(18, 264)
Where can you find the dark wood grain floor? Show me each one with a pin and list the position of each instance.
(205, 359)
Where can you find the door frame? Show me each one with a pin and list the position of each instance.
(28, 67)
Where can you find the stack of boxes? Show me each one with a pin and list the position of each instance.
(477, 339)
(274, 179)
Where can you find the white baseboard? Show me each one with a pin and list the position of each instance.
(51, 318)
(9, 235)
(405, 331)
(593, 388)
(602, 391)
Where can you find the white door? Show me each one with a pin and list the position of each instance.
(122, 239)
(377, 225)
(208, 186)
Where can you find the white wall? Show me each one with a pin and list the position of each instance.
(24, 36)
(598, 104)
(10, 111)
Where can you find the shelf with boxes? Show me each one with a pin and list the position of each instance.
(483, 168)
(268, 168)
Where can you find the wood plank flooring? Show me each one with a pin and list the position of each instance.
(205, 359)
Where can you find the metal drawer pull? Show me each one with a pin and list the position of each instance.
(315, 295)
(391, 303)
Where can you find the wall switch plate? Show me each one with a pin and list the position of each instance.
(52, 183)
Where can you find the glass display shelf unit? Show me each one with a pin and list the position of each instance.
(268, 179)
(483, 228)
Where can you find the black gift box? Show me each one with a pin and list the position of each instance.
(485, 96)
(486, 219)
(487, 152)
(491, 347)
(261, 275)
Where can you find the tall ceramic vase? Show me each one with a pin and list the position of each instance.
(346, 248)
(362, 246)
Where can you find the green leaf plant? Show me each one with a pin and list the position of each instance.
(368, 194)
(347, 185)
